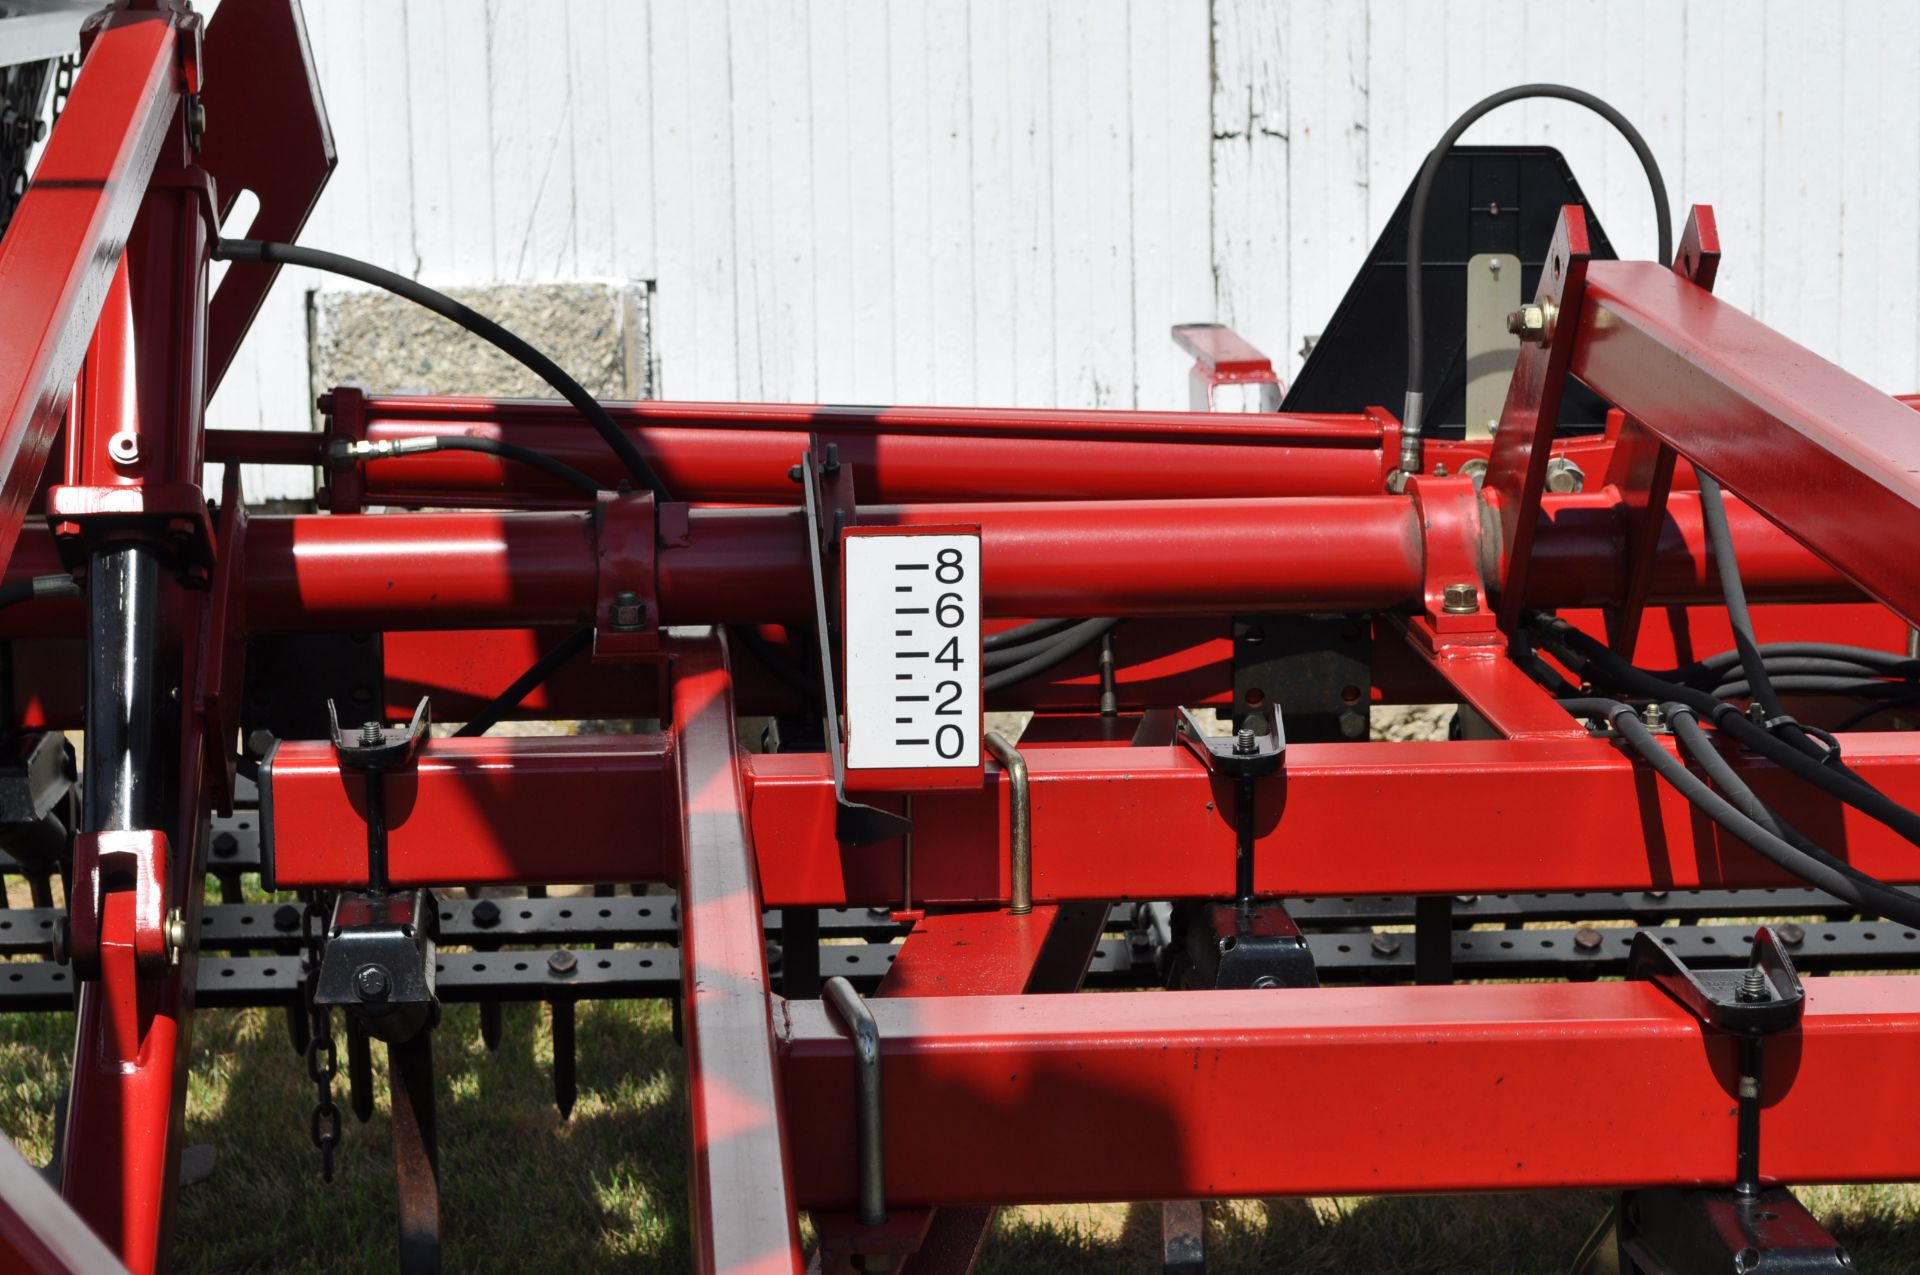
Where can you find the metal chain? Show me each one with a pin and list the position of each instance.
(323, 1058)
(63, 83)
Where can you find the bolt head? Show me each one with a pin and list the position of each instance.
(1460, 599)
(371, 983)
(1587, 939)
(62, 941)
(562, 962)
(486, 914)
(1790, 934)
(1353, 724)
(286, 917)
(176, 933)
(1386, 944)
(225, 845)
(1266, 981)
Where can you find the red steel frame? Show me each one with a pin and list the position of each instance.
(1180, 517)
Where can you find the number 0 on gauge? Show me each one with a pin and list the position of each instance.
(911, 631)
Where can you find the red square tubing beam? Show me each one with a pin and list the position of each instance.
(1817, 450)
(1477, 817)
(994, 1099)
(737, 1175)
(66, 238)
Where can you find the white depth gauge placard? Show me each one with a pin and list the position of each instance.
(911, 632)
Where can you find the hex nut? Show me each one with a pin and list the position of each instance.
(1529, 323)
(1461, 599)
(627, 612)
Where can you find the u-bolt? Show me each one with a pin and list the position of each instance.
(1020, 835)
(843, 1000)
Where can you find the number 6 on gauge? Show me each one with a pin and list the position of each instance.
(910, 630)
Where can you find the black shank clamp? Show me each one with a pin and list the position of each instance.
(378, 960)
(1762, 1000)
(1245, 944)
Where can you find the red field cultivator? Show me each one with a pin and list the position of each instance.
(1670, 702)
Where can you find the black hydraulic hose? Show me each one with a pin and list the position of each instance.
(1885, 662)
(1007, 656)
(1063, 648)
(1853, 720)
(1874, 894)
(1022, 633)
(1799, 685)
(1413, 414)
(524, 455)
(792, 678)
(1859, 891)
(1713, 512)
(59, 585)
(539, 671)
(1823, 764)
(1779, 666)
(447, 308)
(1823, 774)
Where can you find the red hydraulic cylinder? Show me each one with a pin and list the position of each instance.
(511, 570)
(742, 451)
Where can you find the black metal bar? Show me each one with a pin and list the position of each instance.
(1746, 1153)
(1243, 830)
(120, 778)
(800, 953)
(376, 782)
(1433, 940)
(566, 1078)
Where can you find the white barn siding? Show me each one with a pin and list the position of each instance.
(1009, 201)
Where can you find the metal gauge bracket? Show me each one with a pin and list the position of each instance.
(396, 746)
(1219, 752)
(827, 484)
(1714, 996)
